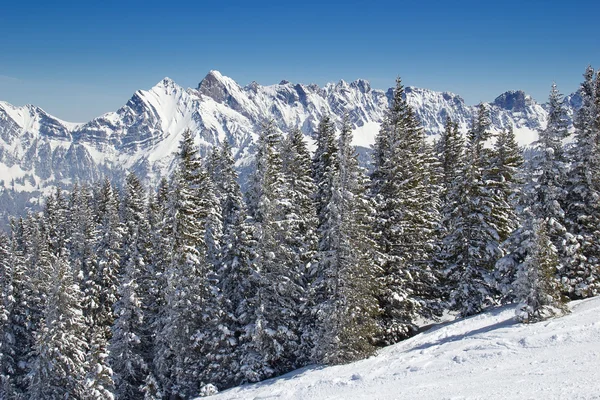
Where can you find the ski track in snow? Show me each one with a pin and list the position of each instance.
(488, 356)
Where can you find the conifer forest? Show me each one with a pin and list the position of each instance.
(121, 291)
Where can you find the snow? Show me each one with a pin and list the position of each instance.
(364, 136)
(147, 129)
(525, 136)
(488, 356)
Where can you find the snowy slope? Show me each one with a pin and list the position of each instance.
(488, 356)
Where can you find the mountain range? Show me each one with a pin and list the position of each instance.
(39, 151)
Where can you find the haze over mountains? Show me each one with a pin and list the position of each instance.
(38, 150)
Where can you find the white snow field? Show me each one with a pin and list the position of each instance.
(488, 356)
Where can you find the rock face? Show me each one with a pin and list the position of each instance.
(38, 150)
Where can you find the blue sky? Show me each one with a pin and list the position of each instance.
(80, 59)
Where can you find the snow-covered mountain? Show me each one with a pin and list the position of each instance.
(488, 356)
(38, 150)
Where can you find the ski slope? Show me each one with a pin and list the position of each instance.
(488, 356)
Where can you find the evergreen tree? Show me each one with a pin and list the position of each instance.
(128, 346)
(581, 272)
(188, 307)
(536, 285)
(472, 245)
(344, 290)
(276, 341)
(153, 281)
(406, 195)
(58, 370)
(507, 159)
(7, 303)
(82, 235)
(324, 163)
(301, 225)
(103, 277)
(451, 154)
(236, 279)
(34, 259)
(542, 198)
(300, 187)
(17, 331)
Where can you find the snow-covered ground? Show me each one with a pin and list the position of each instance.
(488, 356)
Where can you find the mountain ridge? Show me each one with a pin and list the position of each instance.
(38, 150)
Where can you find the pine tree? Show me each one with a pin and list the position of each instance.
(324, 163)
(81, 232)
(276, 341)
(506, 160)
(128, 346)
(7, 303)
(505, 181)
(18, 335)
(344, 293)
(300, 188)
(58, 370)
(188, 307)
(153, 282)
(472, 245)
(236, 278)
(581, 272)
(32, 284)
(301, 224)
(536, 285)
(450, 149)
(542, 198)
(99, 261)
(406, 195)
(451, 154)
(103, 278)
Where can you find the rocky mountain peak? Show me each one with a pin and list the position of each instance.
(217, 86)
(513, 100)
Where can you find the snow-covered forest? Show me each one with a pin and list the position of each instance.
(193, 286)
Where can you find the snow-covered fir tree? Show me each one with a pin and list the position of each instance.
(581, 272)
(407, 201)
(58, 369)
(301, 222)
(153, 279)
(189, 304)
(505, 163)
(128, 345)
(542, 198)
(345, 303)
(101, 289)
(236, 278)
(472, 245)
(300, 189)
(32, 281)
(450, 149)
(276, 336)
(324, 163)
(7, 300)
(536, 285)
(17, 335)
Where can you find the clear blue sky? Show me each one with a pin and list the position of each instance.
(80, 59)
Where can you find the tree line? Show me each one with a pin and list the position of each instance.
(175, 292)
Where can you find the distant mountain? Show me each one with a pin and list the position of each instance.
(38, 151)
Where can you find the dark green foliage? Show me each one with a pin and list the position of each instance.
(536, 285)
(581, 271)
(344, 302)
(407, 216)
